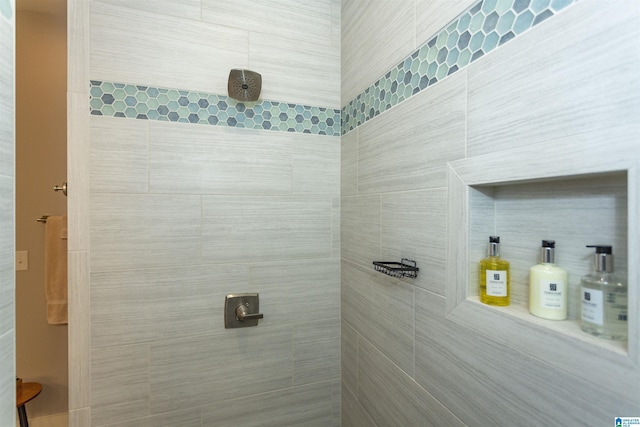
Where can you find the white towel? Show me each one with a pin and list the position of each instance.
(55, 269)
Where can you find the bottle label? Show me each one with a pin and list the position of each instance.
(552, 294)
(497, 283)
(592, 300)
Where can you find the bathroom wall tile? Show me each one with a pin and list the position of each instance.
(79, 329)
(349, 358)
(7, 102)
(189, 9)
(119, 384)
(366, 27)
(316, 351)
(349, 164)
(218, 160)
(391, 397)
(185, 418)
(78, 47)
(133, 46)
(188, 372)
(78, 160)
(451, 363)
(433, 16)
(309, 405)
(360, 229)
(295, 70)
(237, 229)
(80, 417)
(353, 414)
(380, 309)
(400, 158)
(137, 231)
(336, 12)
(557, 75)
(309, 21)
(414, 226)
(119, 155)
(316, 164)
(8, 371)
(7, 254)
(178, 302)
(293, 292)
(336, 410)
(335, 228)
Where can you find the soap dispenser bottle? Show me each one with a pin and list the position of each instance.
(495, 277)
(548, 286)
(604, 298)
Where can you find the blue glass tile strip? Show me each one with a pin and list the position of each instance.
(485, 26)
(174, 105)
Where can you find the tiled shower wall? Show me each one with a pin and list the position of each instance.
(183, 213)
(570, 79)
(7, 225)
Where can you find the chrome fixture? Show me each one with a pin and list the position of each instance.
(241, 310)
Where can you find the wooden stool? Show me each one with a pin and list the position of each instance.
(24, 393)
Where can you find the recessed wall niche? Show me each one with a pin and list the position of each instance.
(577, 194)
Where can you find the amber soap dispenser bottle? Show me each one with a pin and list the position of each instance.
(495, 277)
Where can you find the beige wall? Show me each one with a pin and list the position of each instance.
(41, 349)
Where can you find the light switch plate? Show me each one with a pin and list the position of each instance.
(22, 260)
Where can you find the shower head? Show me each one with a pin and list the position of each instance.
(244, 85)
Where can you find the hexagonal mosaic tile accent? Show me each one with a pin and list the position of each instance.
(485, 26)
(174, 105)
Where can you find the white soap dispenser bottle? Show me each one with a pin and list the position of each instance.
(548, 286)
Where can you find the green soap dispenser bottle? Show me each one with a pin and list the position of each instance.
(494, 277)
(604, 298)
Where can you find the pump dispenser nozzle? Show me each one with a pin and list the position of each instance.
(603, 258)
(547, 251)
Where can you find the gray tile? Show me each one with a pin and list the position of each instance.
(349, 164)
(187, 372)
(360, 229)
(178, 302)
(297, 292)
(391, 397)
(451, 363)
(335, 228)
(219, 160)
(349, 358)
(560, 89)
(412, 157)
(365, 28)
(185, 418)
(137, 231)
(336, 411)
(119, 384)
(298, 406)
(380, 308)
(7, 103)
(414, 226)
(8, 371)
(353, 414)
(119, 155)
(316, 351)
(306, 21)
(7, 254)
(296, 70)
(237, 229)
(189, 9)
(125, 47)
(316, 164)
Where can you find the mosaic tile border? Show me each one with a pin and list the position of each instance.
(483, 27)
(175, 105)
